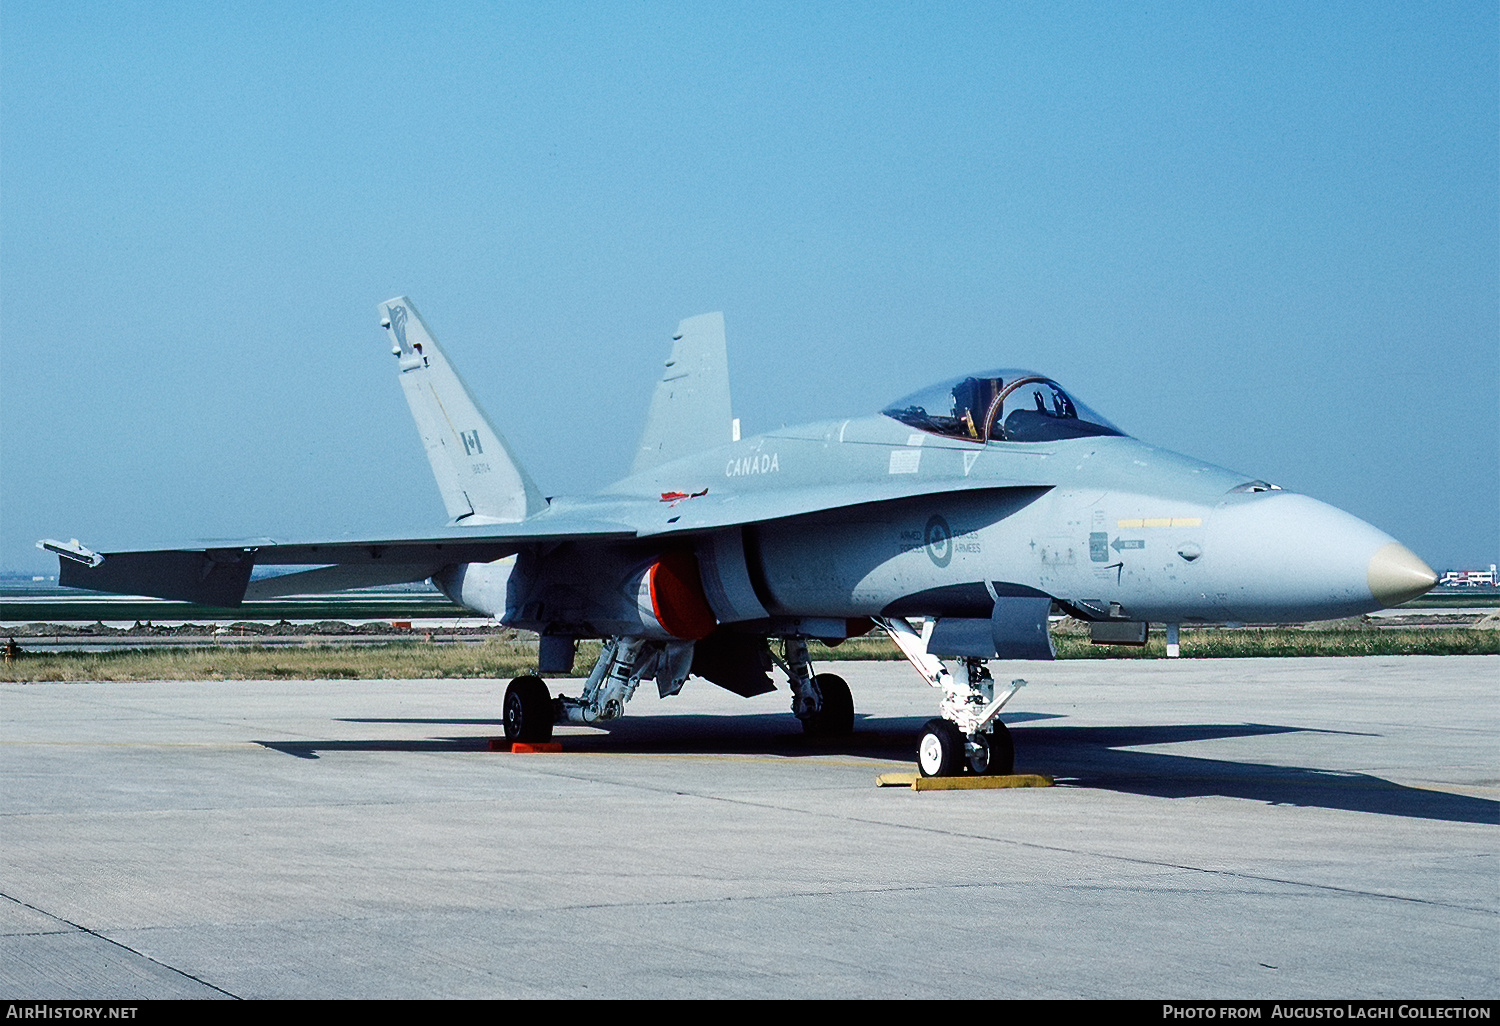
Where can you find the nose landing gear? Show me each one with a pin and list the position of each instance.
(969, 735)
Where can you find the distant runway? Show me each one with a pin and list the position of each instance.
(424, 608)
(65, 605)
(1310, 828)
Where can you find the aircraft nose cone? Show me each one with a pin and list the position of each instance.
(1286, 558)
(1396, 574)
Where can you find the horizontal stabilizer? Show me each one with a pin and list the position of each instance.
(71, 550)
(210, 577)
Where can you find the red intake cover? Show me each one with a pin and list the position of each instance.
(677, 597)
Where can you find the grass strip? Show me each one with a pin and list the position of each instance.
(1252, 642)
(503, 659)
(397, 660)
(1242, 643)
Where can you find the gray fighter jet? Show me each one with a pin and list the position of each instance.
(955, 521)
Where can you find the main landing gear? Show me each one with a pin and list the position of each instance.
(968, 736)
(821, 701)
(530, 710)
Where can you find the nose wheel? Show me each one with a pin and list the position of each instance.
(940, 749)
(993, 753)
(944, 751)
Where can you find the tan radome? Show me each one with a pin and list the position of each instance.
(1397, 574)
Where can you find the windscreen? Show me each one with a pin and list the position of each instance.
(1000, 406)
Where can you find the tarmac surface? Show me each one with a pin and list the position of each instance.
(1267, 828)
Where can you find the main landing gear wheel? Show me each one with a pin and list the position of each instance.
(992, 753)
(836, 718)
(528, 710)
(941, 749)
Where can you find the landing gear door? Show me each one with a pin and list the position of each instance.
(1020, 628)
(1017, 629)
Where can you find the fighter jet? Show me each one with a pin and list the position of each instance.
(955, 521)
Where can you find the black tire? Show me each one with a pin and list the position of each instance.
(836, 718)
(1002, 751)
(940, 750)
(992, 754)
(528, 710)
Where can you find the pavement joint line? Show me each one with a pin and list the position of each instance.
(110, 940)
(1437, 787)
(1130, 859)
(236, 810)
(149, 710)
(636, 785)
(1354, 779)
(544, 910)
(130, 744)
(827, 760)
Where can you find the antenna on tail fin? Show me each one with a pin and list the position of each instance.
(480, 478)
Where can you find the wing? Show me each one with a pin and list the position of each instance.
(219, 574)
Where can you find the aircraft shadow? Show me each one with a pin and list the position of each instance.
(1089, 757)
(315, 749)
(498, 724)
(1099, 757)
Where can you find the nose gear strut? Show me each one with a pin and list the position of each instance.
(968, 733)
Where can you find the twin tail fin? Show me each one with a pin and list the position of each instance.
(479, 476)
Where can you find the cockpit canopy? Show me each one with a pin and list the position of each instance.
(1000, 406)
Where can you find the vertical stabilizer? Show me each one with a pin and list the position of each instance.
(690, 410)
(479, 477)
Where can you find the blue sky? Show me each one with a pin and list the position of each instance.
(1263, 235)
